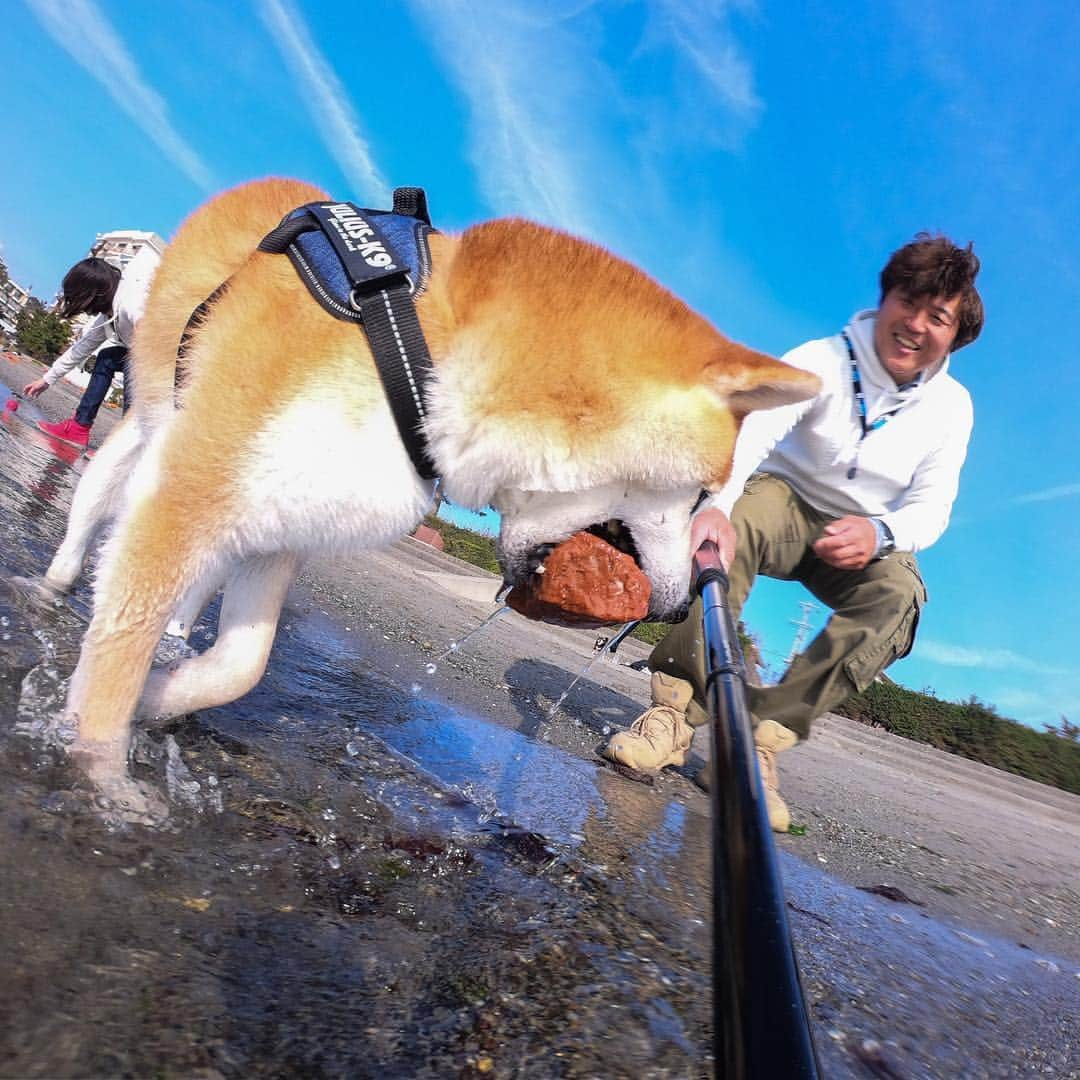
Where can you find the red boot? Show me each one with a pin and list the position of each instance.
(69, 431)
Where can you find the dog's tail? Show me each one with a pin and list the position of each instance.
(210, 246)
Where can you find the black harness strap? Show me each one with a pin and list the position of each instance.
(381, 294)
(404, 363)
(192, 325)
(412, 202)
(279, 240)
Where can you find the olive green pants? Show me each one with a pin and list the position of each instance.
(875, 611)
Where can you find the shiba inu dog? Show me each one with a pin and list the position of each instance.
(568, 389)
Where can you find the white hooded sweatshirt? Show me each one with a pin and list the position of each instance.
(907, 471)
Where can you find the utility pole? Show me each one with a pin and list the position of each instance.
(801, 628)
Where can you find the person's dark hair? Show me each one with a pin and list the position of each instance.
(89, 286)
(935, 266)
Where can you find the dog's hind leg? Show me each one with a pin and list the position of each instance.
(97, 499)
(254, 594)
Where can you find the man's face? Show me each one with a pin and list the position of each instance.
(913, 333)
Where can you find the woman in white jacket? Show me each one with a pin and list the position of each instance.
(117, 300)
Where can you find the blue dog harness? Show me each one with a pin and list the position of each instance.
(365, 266)
(342, 252)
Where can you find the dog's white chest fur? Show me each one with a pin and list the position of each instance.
(318, 480)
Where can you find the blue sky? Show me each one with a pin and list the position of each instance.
(761, 159)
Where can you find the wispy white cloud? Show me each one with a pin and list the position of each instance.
(1063, 491)
(989, 509)
(327, 101)
(703, 39)
(1024, 701)
(543, 100)
(995, 659)
(521, 70)
(80, 28)
(1037, 707)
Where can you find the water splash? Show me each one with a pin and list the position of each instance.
(172, 648)
(42, 697)
(182, 786)
(577, 678)
(604, 647)
(456, 645)
(483, 799)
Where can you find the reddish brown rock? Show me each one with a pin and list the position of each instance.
(586, 582)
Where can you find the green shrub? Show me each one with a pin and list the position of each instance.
(970, 728)
(650, 632)
(464, 544)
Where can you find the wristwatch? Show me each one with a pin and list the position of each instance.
(886, 540)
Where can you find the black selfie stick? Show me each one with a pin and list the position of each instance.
(760, 1022)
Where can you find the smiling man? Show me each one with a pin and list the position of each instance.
(837, 493)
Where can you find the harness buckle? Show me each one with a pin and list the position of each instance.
(361, 290)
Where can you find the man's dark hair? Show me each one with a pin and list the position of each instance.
(935, 266)
(89, 286)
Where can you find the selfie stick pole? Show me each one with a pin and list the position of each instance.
(760, 1021)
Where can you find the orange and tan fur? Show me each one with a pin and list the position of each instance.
(569, 389)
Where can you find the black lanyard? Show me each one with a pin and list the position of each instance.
(860, 400)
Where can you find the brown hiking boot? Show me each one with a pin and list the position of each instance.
(660, 736)
(769, 739)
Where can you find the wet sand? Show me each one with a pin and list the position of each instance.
(990, 851)
(985, 865)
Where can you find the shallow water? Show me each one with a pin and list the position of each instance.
(356, 880)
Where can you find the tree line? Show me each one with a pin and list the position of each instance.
(39, 332)
(973, 729)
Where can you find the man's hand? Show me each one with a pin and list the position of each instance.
(712, 524)
(848, 544)
(31, 390)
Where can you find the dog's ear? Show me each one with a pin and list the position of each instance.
(750, 380)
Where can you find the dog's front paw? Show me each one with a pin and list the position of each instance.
(118, 797)
(38, 590)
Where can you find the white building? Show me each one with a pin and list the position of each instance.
(13, 298)
(121, 246)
